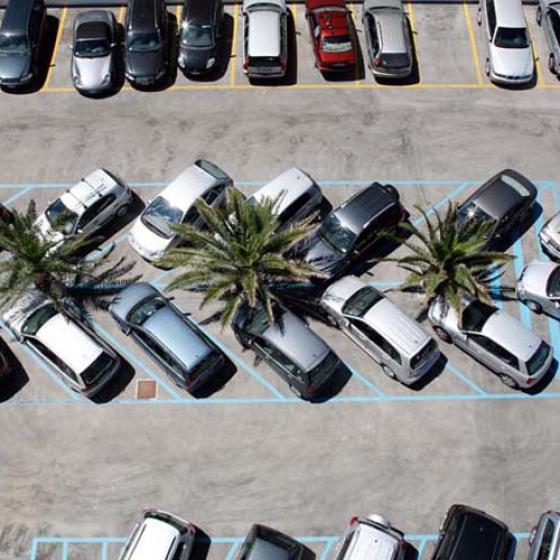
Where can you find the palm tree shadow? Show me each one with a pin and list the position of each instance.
(117, 385)
(16, 379)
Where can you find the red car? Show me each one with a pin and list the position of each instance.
(332, 33)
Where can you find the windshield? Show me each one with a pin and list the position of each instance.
(197, 36)
(142, 312)
(337, 44)
(511, 38)
(553, 284)
(475, 316)
(11, 45)
(144, 42)
(259, 323)
(90, 48)
(61, 218)
(159, 216)
(538, 359)
(335, 234)
(362, 301)
(38, 319)
(471, 211)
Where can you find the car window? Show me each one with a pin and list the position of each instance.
(491, 15)
(61, 218)
(197, 36)
(276, 355)
(212, 169)
(372, 28)
(555, 23)
(380, 341)
(538, 359)
(143, 311)
(54, 359)
(95, 209)
(192, 215)
(495, 349)
(149, 342)
(13, 45)
(476, 314)
(35, 321)
(334, 233)
(545, 547)
(362, 301)
(144, 41)
(160, 215)
(295, 207)
(511, 38)
(210, 196)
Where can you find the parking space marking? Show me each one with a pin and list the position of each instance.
(446, 199)
(369, 384)
(472, 40)
(413, 33)
(120, 15)
(59, 31)
(536, 58)
(452, 369)
(179, 13)
(233, 56)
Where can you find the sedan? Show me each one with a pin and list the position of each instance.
(503, 202)
(332, 35)
(538, 287)
(94, 52)
(548, 17)
(499, 341)
(169, 336)
(289, 346)
(549, 237)
(350, 231)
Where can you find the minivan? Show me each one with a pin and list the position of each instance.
(20, 41)
(265, 38)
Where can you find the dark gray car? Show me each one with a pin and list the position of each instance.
(264, 543)
(172, 338)
(548, 17)
(199, 35)
(20, 40)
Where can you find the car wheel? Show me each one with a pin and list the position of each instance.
(509, 381)
(534, 306)
(442, 334)
(538, 16)
(487, 67)
(552, 64)
(388, 371)
(123, 211)
(479, 16)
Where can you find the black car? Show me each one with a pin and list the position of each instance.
(351, 230)
(146, 42)
(199, 35)
(468, 534)
(264, 543)
(502, 202)
(21, 34)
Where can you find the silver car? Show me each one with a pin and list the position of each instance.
(94, 51)
(545, 538)
(538, 287)
(548, 17)
(549, 237)
(387, 36)
(403, 348)
(171, 337)
(82, 359)
(518, 356)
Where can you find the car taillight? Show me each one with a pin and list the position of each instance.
(377, 60)
(283, 66)
(245, 64)
(353, 520)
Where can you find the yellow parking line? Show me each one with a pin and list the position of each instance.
(294, 13)
(120, 15)
(179, 13)
(59, 31)
(472, 40)
(536, 58)
(233, 58)
(412, 21)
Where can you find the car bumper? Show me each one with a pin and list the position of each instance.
(550, 247)
(527, 382)
(510, 80)
(94, 90)
(421, 371)
(264, 75)
(393, 74)
(20, 82)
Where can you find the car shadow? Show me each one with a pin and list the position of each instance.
(201, 545)
(217, 383)
(509, 240)
(14, 382)
(435, 372)
(521, 87)
(117, 385)
(339, 380)
(545, 381)
(226, 55)
(410, 552)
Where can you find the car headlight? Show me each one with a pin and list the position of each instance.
(28, 77)
(211, 62)
(544, 235)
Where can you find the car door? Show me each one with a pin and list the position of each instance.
(490, 13)
(365, 337)
(493, 355)
(373, 36)
(554, 43)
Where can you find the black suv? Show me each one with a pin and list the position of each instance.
(264, 543)
(468, 534)
(20, 38)
(351, 230)
(146, 42)
(199, 35)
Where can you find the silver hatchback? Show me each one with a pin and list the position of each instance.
(538, 287)
(545, 537)
(549, 237)
(548, 17)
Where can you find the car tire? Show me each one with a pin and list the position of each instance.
(123, 211)
(552, 64)
(534, 306)
(538, 16)
(508, 381)
(388, 371)
(479, 15)
(442, 334)
(487, 67)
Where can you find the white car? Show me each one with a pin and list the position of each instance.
(404, 349)
(84, 361)
(86, 207)
(538, 287)
(152, 235)
(549, 237)
(510, 55)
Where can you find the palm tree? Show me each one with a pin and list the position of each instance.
(450, 261)
(241, 257)
(55, 269)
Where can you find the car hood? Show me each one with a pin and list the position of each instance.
(144, 64)
(512, 62)
(146, 242)
(552, 228)
(535, 277)
(91, 71)
(195, 59)
(47, 231)
(14, 67)
(322, 256)
(338, 293)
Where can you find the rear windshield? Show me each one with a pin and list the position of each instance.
(538, 359)
(337, 44)
(141, 313)
(160, 215)
(91, 48)
(264, 61)
(362, 301)
(325, 367)
(395, 60)
(511, 38)
(13, 45)
(100, 366)
(423, 354)
(476, 315)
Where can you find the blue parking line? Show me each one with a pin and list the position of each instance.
(421, 548)
(369, 384)
(464, 378)
(105, 551)
(325, 552)
(454, 193)
(232, 549)
(14, 197)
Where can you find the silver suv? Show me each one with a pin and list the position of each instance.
(403, 348)
(86, 207)
(499, 341)
(538, 287)
(545, 538)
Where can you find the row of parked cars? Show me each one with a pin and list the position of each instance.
(345, 238)
(465, 533)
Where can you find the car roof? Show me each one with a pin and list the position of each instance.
(16, 16)
(133, 294)
(392, 32)
(364, 206)
(379, 4)
(264, 30)
(199, 11)
(371, 542)
(83, 194)
(509, 13)
(143, 14)
(156, 540)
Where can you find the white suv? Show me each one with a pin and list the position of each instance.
(86, 207)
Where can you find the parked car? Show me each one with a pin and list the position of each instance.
(387, 33)
(265, 38)
(171, 337)
(520, 357)
(370, 538)
(95, 48)
(332, 34)
(158, 535)
(200, 33)
(508, 42)
(467, 532)
(82, 359)
(538, 287)
(86, 207)
(549, 237)
(6, 215)
(21, 36)
(545, 538)
(548, 17)
(289, 346)
(264, 543)
(151, 235)
(404, 349)
(352, 229)
(298, 196)
(146, 42)
(503, 202)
